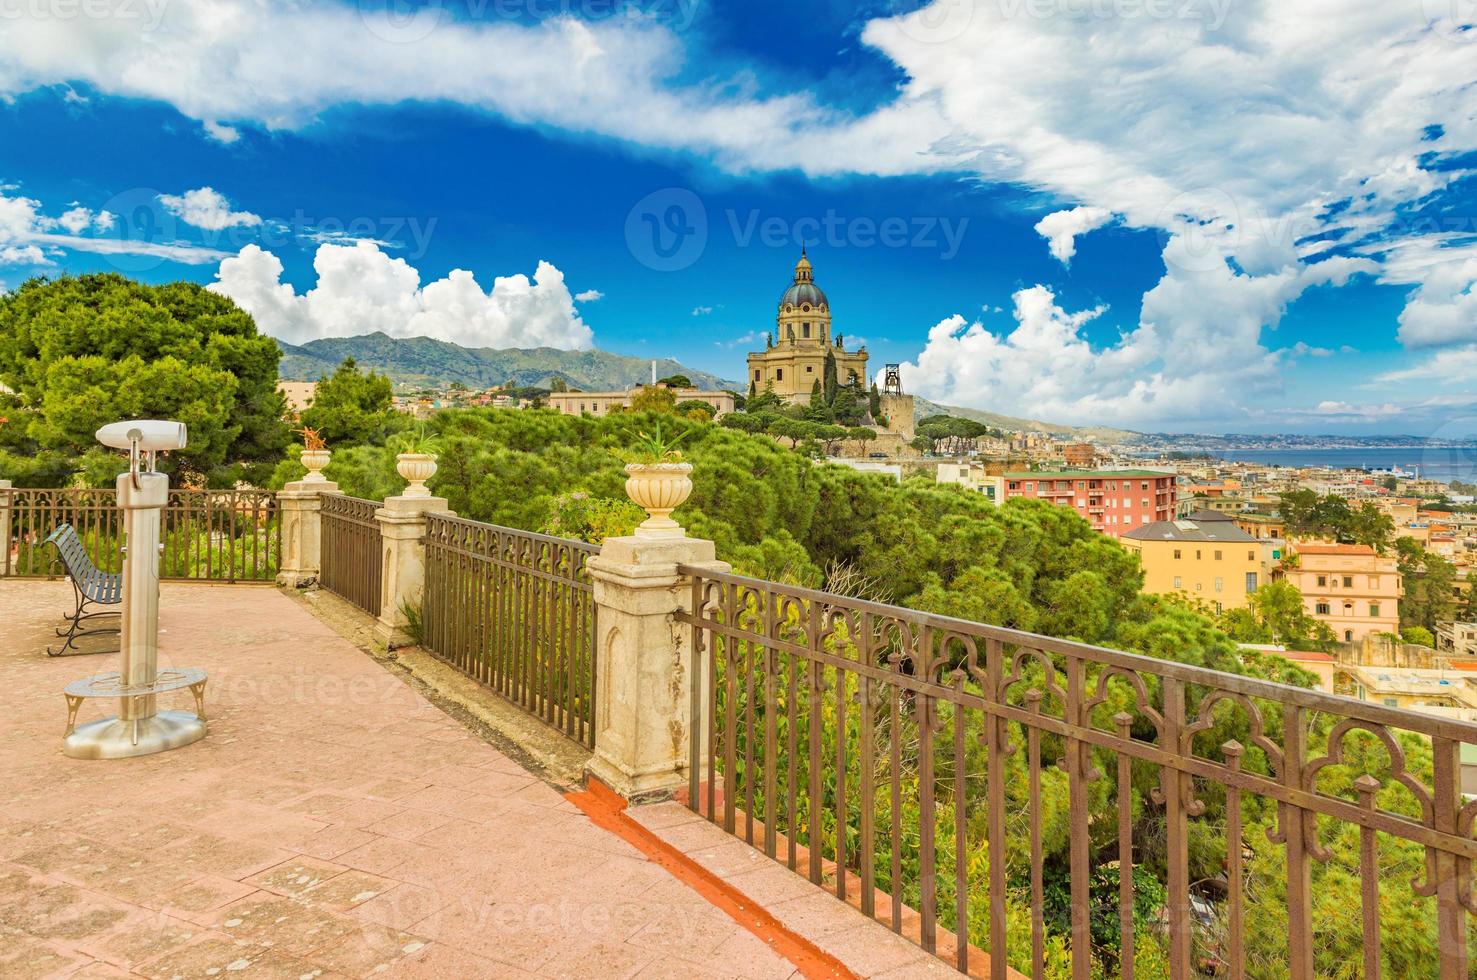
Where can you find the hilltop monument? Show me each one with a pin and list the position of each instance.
(794, 356)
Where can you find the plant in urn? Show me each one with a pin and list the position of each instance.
(416, 461)
(314, 456)
(658, 481)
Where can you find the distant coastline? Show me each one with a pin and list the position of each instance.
(1441, 463)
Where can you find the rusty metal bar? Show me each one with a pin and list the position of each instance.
(515, 611)
(350, 565)
(915, 682)
(243, 546)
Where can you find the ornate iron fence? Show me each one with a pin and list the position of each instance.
(1014, 801)
(351, 564)
(515, 611)
(208, 535)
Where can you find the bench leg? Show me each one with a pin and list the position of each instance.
(75, 631)
(73, 703)
(198, 689)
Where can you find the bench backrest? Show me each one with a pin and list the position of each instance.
(73, 554)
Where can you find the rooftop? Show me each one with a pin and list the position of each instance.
(1319, 548)
(1075, 474)
(336, 823)
(1187, 530)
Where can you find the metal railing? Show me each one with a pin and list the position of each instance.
(351, 565)
(207, 535)
(515, 611)
(1008, 800)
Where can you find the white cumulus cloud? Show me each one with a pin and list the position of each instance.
(1061, 228)
(589, 296)
(207, 208)
(361, 290)
(1196, 354)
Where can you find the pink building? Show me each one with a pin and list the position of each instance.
(1113, 501)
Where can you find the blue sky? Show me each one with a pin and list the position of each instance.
(1199, 216)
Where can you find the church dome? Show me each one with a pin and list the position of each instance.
(803, 290)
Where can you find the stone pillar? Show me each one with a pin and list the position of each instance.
(643, 662)
(402, 522)
(5, 527)
(302, 531)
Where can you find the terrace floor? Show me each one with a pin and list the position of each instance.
(335, 823)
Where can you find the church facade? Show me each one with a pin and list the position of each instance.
(794, 356)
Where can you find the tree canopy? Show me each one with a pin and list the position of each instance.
(82, 351)
(351, 406)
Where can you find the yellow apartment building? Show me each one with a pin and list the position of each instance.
(605, 402)
(1351, 587)
(1204, 556)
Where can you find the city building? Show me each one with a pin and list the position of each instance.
(1351, 587)
(1207, 558)
(972, 476)
(1262, 525)
(605, 402)
(1113, 501)
(1080, 455)
(794, 357)
(298, 394)
(1458, 639)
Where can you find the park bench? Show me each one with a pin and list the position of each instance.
(91, 585)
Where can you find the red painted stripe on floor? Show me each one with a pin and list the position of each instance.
(606, 809)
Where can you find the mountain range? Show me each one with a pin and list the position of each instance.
(424, 362)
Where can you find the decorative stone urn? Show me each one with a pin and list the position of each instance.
(416, 468)
(659, 489)
(315, 460)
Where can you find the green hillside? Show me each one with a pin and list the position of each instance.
(424, 361)
(922, 408)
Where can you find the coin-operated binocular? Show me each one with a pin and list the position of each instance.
(139, 728)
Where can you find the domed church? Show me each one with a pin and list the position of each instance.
(794, 356)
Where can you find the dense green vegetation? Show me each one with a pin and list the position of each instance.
(1309, 515)
(78, 352)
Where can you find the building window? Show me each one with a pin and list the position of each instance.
(1217, 556)
(1251, 556)
(1176, 554)
(1374, 610)
(1348, 581)
(1219, 585)
(1250, 582)
(779, 374)
(1321, 609)
(805, 330)
(1176, 581)
(1197, 554)
(1348, 636)
(809, 369)
(1322, 580)
(757, 375)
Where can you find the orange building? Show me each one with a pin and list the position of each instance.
(1351, 587)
